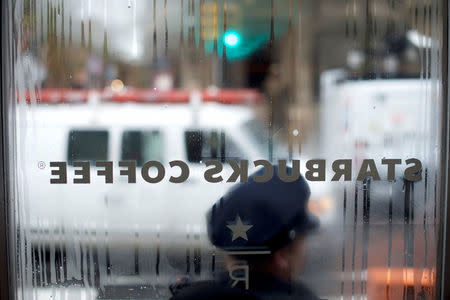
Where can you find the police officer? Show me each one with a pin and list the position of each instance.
(261, 225)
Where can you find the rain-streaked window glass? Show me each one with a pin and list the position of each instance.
(142, 146)
(115, 108)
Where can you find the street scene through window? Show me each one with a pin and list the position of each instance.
(224, 149)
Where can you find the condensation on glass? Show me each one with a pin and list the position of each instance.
(129, 81)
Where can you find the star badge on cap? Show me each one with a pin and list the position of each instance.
(239, 229)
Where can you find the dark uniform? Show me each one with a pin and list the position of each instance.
(257, 217)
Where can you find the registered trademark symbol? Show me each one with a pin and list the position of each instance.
(41, 165)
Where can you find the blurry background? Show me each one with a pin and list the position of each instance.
(280, 48)
(333, 79)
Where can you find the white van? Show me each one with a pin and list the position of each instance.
(372, 118)
(137, 125)
(377, 119)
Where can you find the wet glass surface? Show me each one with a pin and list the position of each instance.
(126, 82)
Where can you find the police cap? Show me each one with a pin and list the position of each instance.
(254, 215)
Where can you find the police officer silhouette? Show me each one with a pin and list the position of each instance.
(261, 225)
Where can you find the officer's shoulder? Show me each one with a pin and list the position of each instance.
(212, 290)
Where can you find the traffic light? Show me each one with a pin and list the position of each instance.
(240, 28)
(232, 39)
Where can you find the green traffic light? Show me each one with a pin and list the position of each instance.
(231, 39)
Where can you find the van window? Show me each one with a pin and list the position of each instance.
(206, 145)
(142, 146)
(87, 145)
